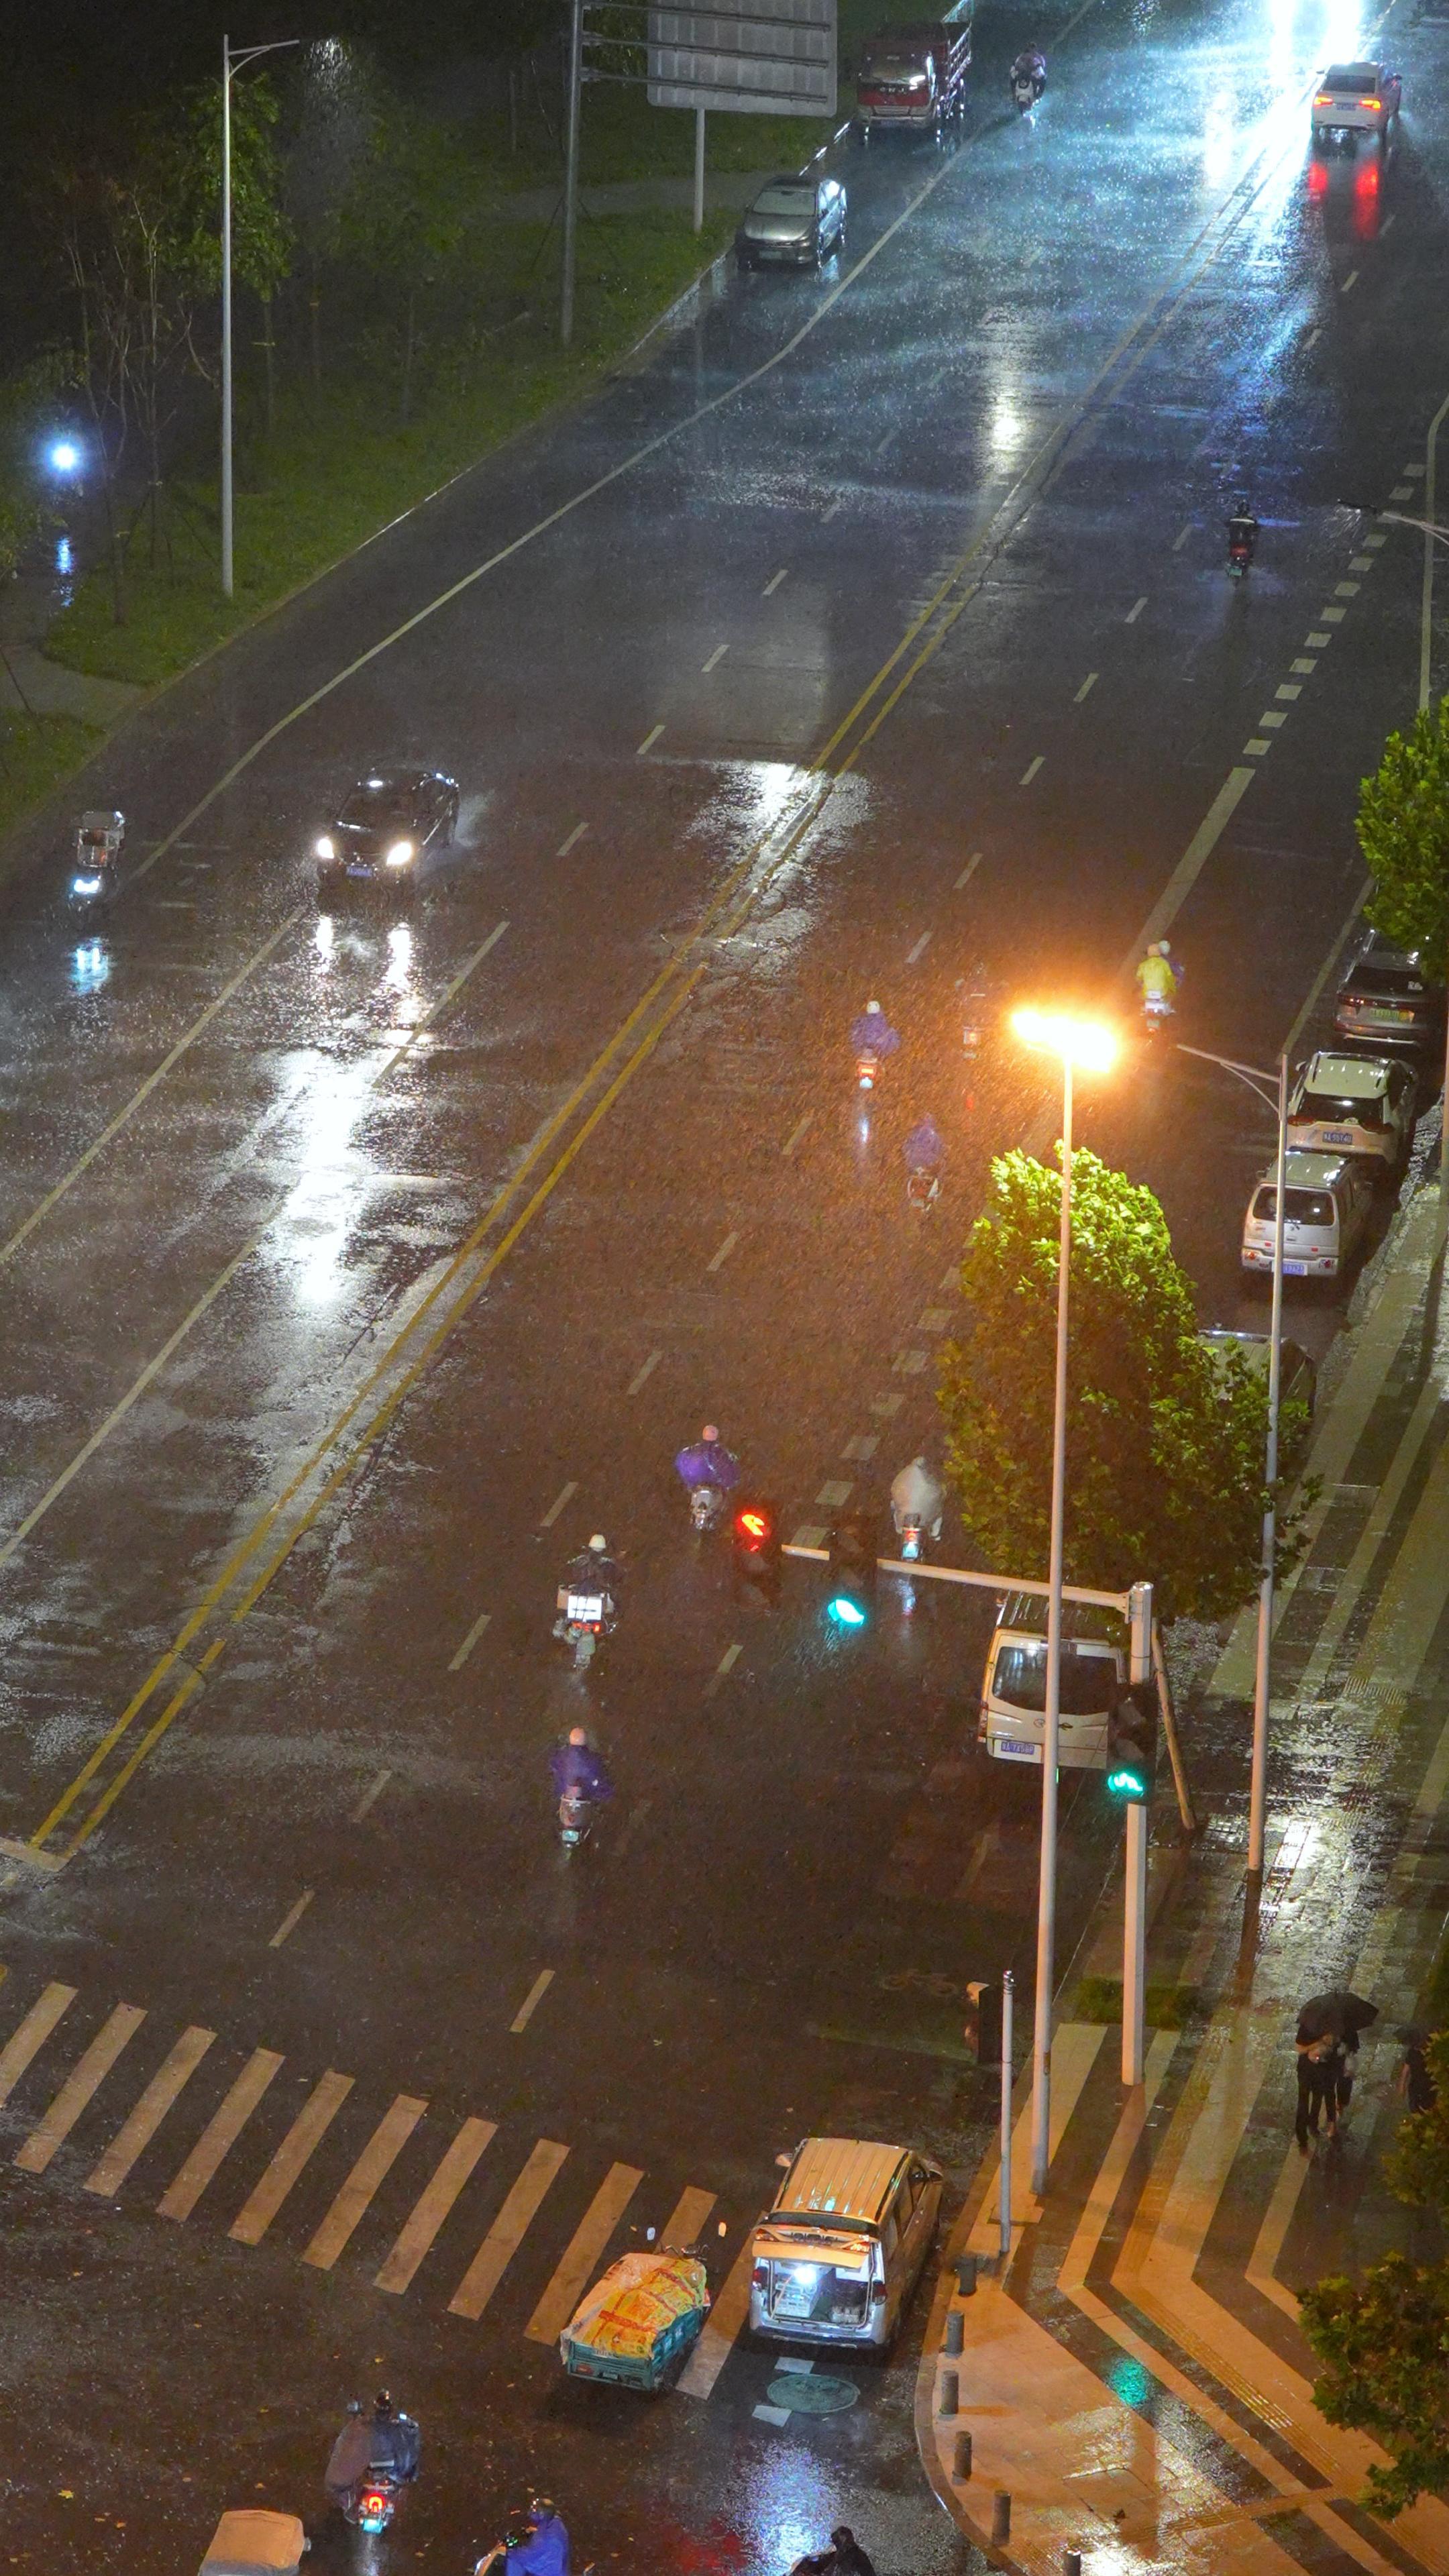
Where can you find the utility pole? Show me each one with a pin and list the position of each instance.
(571, 171)
(231, 62)
(1134, 1903)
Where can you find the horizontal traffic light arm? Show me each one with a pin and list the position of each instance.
(919, 1572)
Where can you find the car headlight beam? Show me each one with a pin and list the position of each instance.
(323, 847)
(400, 855)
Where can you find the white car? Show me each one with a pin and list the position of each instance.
(1326, 1206)
(1354, 1104)
(1355, 98)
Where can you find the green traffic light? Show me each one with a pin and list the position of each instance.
(845, 1612)
(1126, 1784)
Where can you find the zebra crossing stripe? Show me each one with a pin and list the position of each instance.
(27, 2040)
(420, 2229)
(687, 2217)
(137, 2132)
(581, 2254)
(55, 2126)
(220, 2135)
(306, 2132)
(721, 2327)
(507, 2231)
(377, 2159)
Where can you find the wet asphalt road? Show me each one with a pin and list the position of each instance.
(433, 1239)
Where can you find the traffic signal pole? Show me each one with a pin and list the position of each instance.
(1134, 1906)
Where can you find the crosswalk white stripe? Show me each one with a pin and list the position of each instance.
(376, 2160)
(507, 2231)
(56, 2124)
(429, 2212)
(687, 2217)
(721, 2327)
(220, 2135)
(137, 2132)
(27, 2040)
(306, 2132)
(582, 2252)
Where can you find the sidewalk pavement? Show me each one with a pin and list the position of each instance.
(29, 684)
(1136, 2381)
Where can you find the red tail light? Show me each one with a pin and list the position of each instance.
(1324, 99)
(1374, 103)
(760, 2277)
(374, 2503)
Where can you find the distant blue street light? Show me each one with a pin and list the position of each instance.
(65, 456)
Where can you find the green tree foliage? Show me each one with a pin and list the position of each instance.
(1403, 832)
(32, 401)
(182, 155)
(1383, 2342)
(1165, 1444)
(407, 216)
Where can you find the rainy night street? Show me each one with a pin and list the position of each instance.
(356, 1266)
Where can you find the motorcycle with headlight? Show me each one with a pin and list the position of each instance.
(95, 860)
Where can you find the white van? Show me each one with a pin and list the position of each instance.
(1012, 1723)
(1326, 1205)
(843, 2247)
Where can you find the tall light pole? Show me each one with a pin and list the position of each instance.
(231, 62)
(1431, 530)
(1077, 1043)
(1276, 1099)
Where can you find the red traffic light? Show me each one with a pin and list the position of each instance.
(756, 1537)
(753, 1524)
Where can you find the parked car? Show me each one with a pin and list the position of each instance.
(843, 2247)
(1326, 1205)
(1297, 1383)
(1355, 98)
(1387, 1000)
(1011, 1725)
(1362, 1104)
(797, 223)
(389, 834)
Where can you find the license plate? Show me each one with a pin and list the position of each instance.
(1338, 1135)
(354, 870)
(1008, 1749)
(1296, 1269)
(585, 1609)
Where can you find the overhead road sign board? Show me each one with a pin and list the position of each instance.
(755, 57)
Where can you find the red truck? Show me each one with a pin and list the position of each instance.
(913, 77)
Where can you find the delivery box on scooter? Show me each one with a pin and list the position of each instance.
(255, 2543)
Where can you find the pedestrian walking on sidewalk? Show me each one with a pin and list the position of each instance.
(1317, 2089)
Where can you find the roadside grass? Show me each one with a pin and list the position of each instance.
(1165, 2007)
(36, 753)
(322, 486)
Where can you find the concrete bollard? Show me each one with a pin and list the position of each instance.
(966, 2275)
(961, 2465)
(955, 2333)
(1071, 2562)
(1000, 2518)
(949, 2399)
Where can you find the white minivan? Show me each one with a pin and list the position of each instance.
(1012, 1723)
(844, 2245)
(1326, 1206)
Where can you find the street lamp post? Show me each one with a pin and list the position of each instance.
(1431, 530)
(1277, 1100)
(231, 62)
(1076, 1042)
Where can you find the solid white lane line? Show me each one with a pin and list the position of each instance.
(122, 1118)
(1029, 773)
(797, 1131)
(507, 2231)
(532, 2000)
(968, 872)
(921, 946)
(582, 2253)
(575, 836)
(1135, 611)
(717, 655)
(305, 2134)
(1191, 864)
(773, 583)
(1090, 682)
(367, 2176)
(419, 2229)
(1310, 1002)
(470, 1641)
(649, 741)
(641, 1374)
(27, 2040)
(289, 1922)
(1181, 538)
(219, 2136)
(56, 2124)
(369, 1798)
(723, 1254)
(136, 2133)
(566, 1495)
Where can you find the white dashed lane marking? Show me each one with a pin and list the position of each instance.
(1181, 538)
(290, 1921)
(556, 1506)
(649, 741)
(469, 1642)
(797, 1131)
(968, 872)
(1135, 611)
(1090, 682)
(640, 1374)
(772, 584)
(716, 656)
(1029, 773)
(575, 835)
(723, 1254)
(532, 2000)
(921, 946)
(370, 1796)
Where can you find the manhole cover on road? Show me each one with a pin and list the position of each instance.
(807, 2394)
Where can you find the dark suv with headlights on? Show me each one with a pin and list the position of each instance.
(390, 830)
